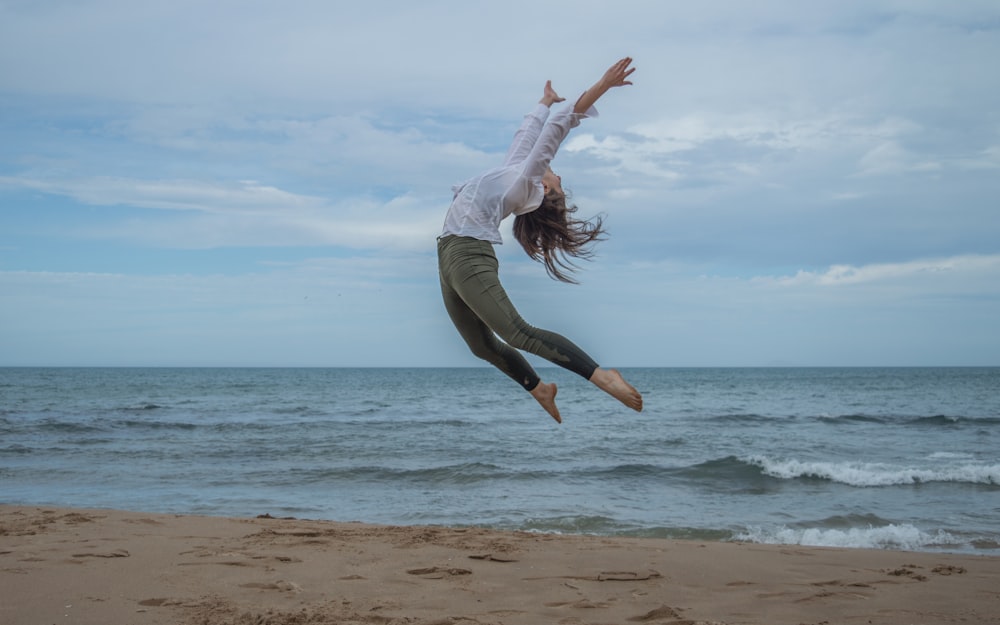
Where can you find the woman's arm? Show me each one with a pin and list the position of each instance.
(616, 76)
(527, 134)
(528, 145)
(553, 133)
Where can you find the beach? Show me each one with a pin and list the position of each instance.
(68, 565)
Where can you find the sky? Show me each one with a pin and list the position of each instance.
(260, 183)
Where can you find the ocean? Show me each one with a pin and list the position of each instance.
(891, 458)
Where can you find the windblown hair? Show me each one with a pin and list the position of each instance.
(551, 235)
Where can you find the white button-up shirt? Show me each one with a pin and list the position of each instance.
(481, 203)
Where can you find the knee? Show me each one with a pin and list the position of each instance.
(519, 334)
(486, 348)
(481, 351)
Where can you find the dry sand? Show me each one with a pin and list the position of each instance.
(110, 567)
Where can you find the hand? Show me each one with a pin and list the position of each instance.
(617, 74)
(549, 97)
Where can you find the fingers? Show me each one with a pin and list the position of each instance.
(620, 71)
(625, 70)
(550, 93)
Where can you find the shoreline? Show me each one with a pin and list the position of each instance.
(78, 565)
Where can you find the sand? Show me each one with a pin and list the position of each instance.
(112, 567)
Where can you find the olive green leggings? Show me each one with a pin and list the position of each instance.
(480, 309)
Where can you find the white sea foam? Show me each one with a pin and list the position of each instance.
(950, 455)
(905, 537)
(876, 474)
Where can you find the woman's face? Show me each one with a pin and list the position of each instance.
(551, 182)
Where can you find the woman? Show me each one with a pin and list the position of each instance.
(526, 187)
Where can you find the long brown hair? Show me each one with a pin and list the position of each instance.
(551, 235)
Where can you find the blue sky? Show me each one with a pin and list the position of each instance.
(260, 183)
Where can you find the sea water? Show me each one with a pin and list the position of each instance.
(897, 458)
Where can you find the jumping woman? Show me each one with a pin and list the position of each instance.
(545, 227)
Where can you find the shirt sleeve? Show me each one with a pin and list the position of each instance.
(551, 137)
(527, 194)
(526, 135)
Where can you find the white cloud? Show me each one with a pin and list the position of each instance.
(244, 197)
(972, 273)
(696, 143)
(244, 214)
(889, 157)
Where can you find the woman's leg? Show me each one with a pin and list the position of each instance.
(484, 344)
(470, 269)
(479, 307)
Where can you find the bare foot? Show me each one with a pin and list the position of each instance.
(612, 383)
(545, 394)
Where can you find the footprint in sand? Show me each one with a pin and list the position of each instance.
(580, 604)
(117, 553)
(661, 613)
(160, 601)
(627, 576)
(280, 585)
(435, 572)
(142, 521)
(493, 558)
(907, 570)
